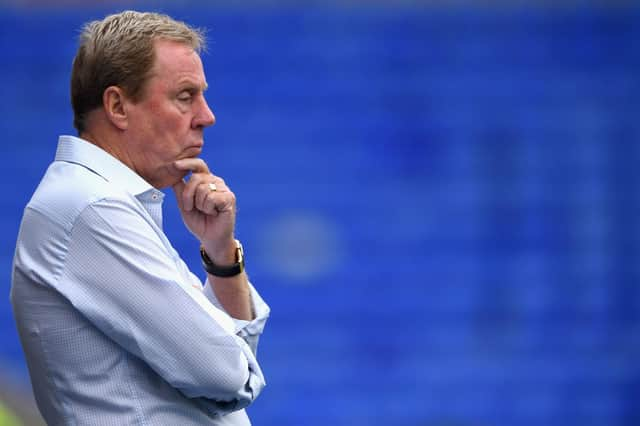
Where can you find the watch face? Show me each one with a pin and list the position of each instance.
(239, 252)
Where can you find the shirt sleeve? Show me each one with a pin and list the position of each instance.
(250, 331)
(120, 274)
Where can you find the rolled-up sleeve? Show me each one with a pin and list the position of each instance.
(120, 274)
(250, 331)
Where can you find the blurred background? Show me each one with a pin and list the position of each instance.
(439, 200)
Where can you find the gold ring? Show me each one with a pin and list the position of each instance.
(213, 187)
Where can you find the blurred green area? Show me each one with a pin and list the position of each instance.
(7, 418)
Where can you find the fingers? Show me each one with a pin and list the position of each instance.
(196, 192)
(190, 189)
(216, 202)
(196, 165)
(203, 190)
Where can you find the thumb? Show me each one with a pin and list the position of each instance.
(178, 188)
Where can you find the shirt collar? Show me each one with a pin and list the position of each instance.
(76, 150)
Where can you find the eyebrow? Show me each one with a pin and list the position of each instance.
(189, 85)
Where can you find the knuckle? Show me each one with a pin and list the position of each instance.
(197, 179)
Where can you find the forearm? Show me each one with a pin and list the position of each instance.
(250, 331)
(208, 208)
(234, 295)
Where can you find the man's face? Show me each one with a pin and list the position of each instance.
(168, 123)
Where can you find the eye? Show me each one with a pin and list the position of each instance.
(185, 97)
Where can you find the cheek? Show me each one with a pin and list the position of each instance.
(164, 127)
(173, 121)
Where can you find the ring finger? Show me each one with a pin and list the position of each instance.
(206, 188)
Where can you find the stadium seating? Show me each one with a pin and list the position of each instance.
(440, 204)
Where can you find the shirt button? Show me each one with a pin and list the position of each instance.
(154, 196)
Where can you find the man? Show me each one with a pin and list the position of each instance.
(115, 328)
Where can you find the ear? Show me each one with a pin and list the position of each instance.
(114, 102)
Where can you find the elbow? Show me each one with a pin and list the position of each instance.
(231, 380)
(234, 385)
(234, 394)
(245, 387)
(240, 380)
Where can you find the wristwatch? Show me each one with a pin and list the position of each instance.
(227, 270)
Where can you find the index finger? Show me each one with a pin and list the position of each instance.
(196, 165)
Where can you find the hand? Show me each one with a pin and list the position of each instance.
(209, 215)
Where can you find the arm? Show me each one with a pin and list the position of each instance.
(138, 292)
(210, 216)
(232, 293)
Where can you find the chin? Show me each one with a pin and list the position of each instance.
(169, 179)
(191, 152)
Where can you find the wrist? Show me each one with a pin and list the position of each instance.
(227, 269)
(221, 253)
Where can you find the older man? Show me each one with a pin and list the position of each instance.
(115, 328)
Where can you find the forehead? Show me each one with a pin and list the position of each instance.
(176, 62)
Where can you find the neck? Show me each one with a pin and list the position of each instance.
(109, 142)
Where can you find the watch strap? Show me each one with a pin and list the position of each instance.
(226, 270)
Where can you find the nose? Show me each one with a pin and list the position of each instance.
(204, 117)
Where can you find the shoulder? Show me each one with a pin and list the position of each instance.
(64, 193)
(67, 189)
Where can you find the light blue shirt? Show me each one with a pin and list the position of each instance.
(115, 328)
